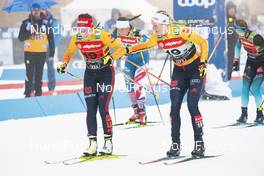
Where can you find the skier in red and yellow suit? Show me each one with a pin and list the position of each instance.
(188, 74)
(99, 78)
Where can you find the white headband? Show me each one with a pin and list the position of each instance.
(160, 19)
(122, 24)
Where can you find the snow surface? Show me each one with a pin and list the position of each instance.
(26, 144)
(215, 84)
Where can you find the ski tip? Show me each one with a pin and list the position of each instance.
(66, 164)
(47, 162)
(237, 124)
(206, 156)
(191, 159)
(168, 164)
(254, 125)
(50, 163)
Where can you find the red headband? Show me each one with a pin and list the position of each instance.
(85, 22)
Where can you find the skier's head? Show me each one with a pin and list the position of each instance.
(123, 26)
(161, 22)
(241, 27)
(85, 24)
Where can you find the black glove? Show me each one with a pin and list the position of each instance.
(236, 66)
(62, 68)
(202, 69)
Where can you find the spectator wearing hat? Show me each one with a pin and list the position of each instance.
(38, 39)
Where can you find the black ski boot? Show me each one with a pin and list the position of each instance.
(199, 149)
(244, 116)
(174, 151)
(260, 117)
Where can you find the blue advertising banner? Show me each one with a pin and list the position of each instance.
(204, 13)
(193, 9)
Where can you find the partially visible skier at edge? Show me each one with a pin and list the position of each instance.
(254, 70)
(188, 74)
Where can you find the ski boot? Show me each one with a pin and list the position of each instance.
(135, 116)
(92, 150)
(174, 150)
(199, 149)
(108, 147)
(244, 116)
(142, 117)
(260, 117)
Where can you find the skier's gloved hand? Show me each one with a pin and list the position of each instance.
(107, 59)
(62, 67)
(236, 66)
(202, 69)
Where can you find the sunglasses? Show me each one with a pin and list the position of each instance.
(240, 31)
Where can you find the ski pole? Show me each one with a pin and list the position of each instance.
(155, 99)
(161, 73)
(216, 46)
(72, 75)
(113, 102)
(209, 59)
(170, 67)
(147, 71)
(162, 69)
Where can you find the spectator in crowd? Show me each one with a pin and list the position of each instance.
(50, 21)
(38, 39)
(256, 25)
(231, 36)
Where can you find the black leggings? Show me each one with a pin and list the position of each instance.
(183, 79)
(98, 89)
(34, 70)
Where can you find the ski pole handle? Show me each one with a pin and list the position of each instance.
(72, 75)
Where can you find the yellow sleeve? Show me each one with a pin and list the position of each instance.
(118, 47)
(144, 46)
(192, 36)
(71, 50)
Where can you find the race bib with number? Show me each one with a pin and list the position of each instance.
(180, 49)
(92, 50)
